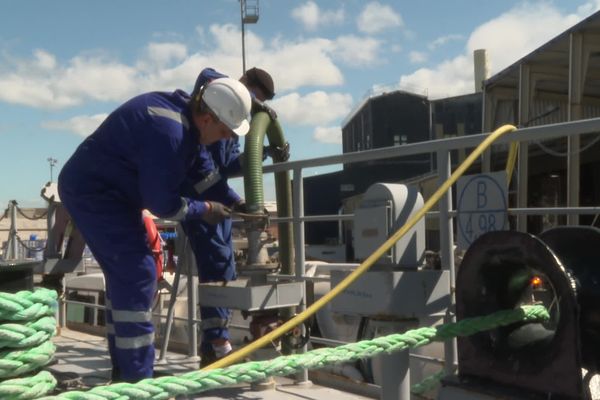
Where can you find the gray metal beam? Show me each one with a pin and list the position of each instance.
(447, 252)
(576, 80)
(523, 163)
(540, 132)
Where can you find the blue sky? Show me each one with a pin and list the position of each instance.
(65, 64)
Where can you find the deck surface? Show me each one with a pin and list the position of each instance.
(85, 356)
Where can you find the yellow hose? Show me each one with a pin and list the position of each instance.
(317, 305)
(511, 160)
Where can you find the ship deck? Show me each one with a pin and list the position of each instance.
(82, 360)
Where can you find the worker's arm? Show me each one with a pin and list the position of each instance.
(163, 162)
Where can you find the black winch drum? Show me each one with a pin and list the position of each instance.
(560, 270)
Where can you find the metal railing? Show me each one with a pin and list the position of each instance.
(442, 149)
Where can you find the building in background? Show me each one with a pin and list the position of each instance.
(394, 118)
(558, 82)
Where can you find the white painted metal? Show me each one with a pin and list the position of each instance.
(482, 68)
(384, 209)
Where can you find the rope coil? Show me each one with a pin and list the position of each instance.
(27, 306)
(31, 334)
(27, 325)
(27, 388)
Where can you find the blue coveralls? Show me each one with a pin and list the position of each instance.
(138, 158)
(212, 244)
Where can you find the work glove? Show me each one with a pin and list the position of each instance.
(240, 207)
(258, 106)
(278, 153)
(216, 213)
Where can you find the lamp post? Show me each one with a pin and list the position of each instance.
(52, 162)
(249, 14)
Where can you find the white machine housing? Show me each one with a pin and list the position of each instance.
(385, 207)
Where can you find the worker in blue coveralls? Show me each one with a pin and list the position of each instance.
(212, 244)
(138, 159)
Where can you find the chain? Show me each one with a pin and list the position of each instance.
(30, 248)
(31, 218)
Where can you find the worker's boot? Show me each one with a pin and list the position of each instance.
(208, 355)
(115, 375)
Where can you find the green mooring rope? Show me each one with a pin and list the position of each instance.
(199, 381)
(27, 388)
(26, 305)
(31, 334)
(428, 383)
(25, 344)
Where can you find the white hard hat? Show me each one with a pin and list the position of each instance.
(231, 103)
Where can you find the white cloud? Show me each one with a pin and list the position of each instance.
(331, 134)
(316, 108)
(417, 57)
(163, 54)
(355, 50)
(519, 31)
(507, 38)
(311, 16)
(377, 17)
(450, 78)
(442, 40)
(82, 125)
(287, 63)
(95, 78)
(42, 81)
(44, 60)
(588, 8)
(31, 91)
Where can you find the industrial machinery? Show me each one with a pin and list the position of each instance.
(506, 269)
(397, 293)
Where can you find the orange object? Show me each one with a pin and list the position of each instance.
(536, 282)
(155, 245)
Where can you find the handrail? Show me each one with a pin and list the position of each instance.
(365, 265)
(539, 132)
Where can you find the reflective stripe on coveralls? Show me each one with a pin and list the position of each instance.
(206, 183)
(165, 112)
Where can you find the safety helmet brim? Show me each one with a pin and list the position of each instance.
(243, 129)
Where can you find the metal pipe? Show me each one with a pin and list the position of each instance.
(395, 380)
(340, 226)
(242, 6)
(170, 313)
(316, 218)
(12, 247)
(447, 251)
(298, 212)
(159, 315)
(192, 287)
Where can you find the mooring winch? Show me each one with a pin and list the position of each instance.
(506, 269)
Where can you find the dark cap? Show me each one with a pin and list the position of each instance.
(260, 78)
